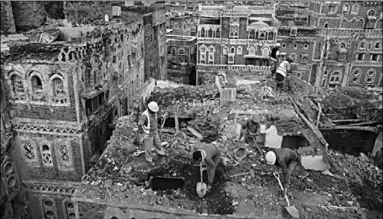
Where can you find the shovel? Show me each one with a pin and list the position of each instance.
(201, 186)
(292, 210)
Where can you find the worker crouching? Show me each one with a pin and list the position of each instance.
(210, 155)
(148, 124)
(285, 159)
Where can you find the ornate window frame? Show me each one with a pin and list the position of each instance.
(232, 50)
(370, 77)
(231, 59)
(211, 49)
(239, 50)
(64, 165)
(379, 45)
(355, 8)
(337, 76)
(295, 57)
(41, 97)
(45, 152)
(346, 8)
(21, 97)
(265, 51)
(371, 10)
(252, 50)
(65, 96)
(32, 148)
(225, 50)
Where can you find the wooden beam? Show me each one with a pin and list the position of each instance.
(355, 128)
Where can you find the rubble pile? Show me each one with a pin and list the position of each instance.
(352, 103)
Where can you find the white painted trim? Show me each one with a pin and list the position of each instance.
(76, 96)
(82, 154)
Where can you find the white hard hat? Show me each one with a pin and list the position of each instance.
(153, 106)
(271, 157)
(278, 44)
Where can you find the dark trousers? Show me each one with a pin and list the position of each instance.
(287, 173)
(211, 169)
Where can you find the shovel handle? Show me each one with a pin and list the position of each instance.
(276, 175)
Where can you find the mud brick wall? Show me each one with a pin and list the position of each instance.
(41, 172)
(36, 205)
(28, 14)
(43, 112)
(90, 210)
(7, 20)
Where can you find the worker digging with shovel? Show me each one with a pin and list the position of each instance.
(208, 155)
(285, 159)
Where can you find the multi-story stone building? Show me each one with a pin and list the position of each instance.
(182, 25)
(65, 98)
(182, 58)
(235, 38)
(349, 47)
(298, 43)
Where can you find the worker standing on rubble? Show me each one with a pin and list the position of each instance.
(208, 154)
(282, 70)
(274, 57)
(148, 125)
(285, 159)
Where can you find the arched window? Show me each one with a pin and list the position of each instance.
(293, 56)
(37, 86)
(335, 77)
(262, 36)
(211, 49)
(70, 211)
(271, 36)
(362, 45)
(355, 76)
(46, 154)
(203, 49)
(265, 51)
(378, 45)
(239, 50)
(58, 87)
(49, 208)
(17, 84)
(225, 50)
(181, 55)
(371, 12)
(173, 51)
(326, 25)
(342, 45)
(203, 32)
(355, 9)
(251, 51)
(299, 75)
(232, 50)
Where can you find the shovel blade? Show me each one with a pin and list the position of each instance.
(201, 189)
(293, 211)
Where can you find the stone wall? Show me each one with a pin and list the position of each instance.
(61, 205)
(7, 20)
(28, 15)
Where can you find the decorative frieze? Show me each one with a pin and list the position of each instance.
(54, 188)
(297, 39)
(335, 32)
(46, 129)
(240, 68)
(249, 42)
(367, 63)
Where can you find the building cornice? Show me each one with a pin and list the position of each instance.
(239, 68)
(201, 40)
(61, 188)
(343, 32)
(299, 39)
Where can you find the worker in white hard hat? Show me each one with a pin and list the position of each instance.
(282, 70)
(148, 125)
(285, 159)
(274, 55)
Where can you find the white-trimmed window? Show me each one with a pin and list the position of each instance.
(370, 77)
(217, 33)
(284, 45)
(46, 153)
(64, 154)
(298, 75)
(59, 95)
(239, 50)
(306, 46)
(304, 58)
(231, 58)
(68, 206)
(356, 73)
(293, 56)
(262, 35)
(211, 49)
(203, 49)
(211, 58)
(355, 9)
(203, 58)
(37, 85)
(377, 45)
(371, 12)
(17, 84)
(251, 50)
(295, 45)
(360, 57)
(335, 77)
(225, 50)
(362, 45)
(293, 31)
(346, 8)
(49, 208)
(265, 51)
(342, 45)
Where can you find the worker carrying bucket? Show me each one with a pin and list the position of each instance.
(209, 157)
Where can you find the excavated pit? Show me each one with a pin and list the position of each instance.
(216, 201)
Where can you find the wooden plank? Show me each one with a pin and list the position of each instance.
(195, 133)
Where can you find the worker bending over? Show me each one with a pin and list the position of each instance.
(285, 159)
(148, 125)
(209, 154)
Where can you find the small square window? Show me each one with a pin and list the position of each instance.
(284, 45)
(360, 57)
